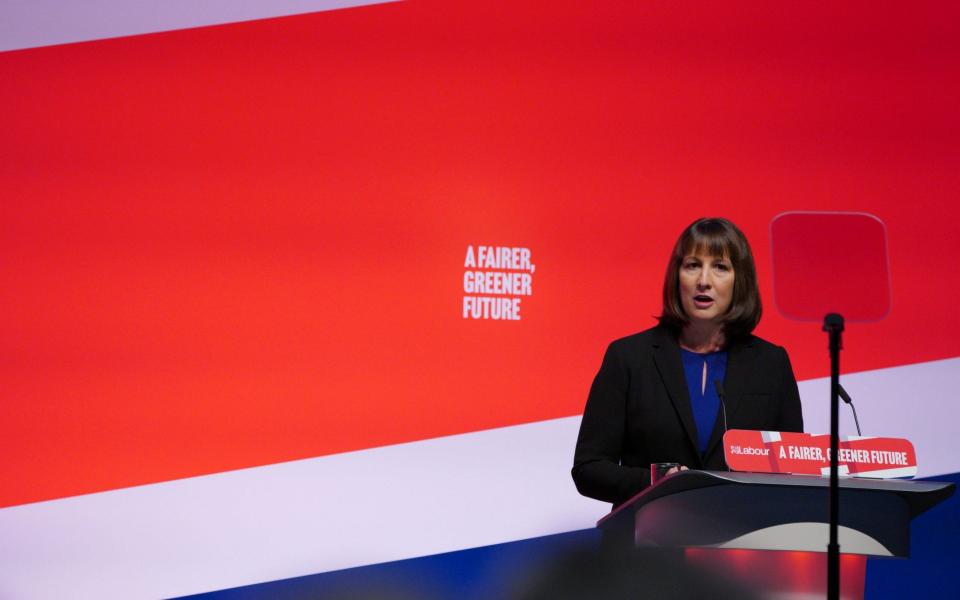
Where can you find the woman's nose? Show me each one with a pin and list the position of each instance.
(703, 281)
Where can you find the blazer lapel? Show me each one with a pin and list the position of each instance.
(666, 356)
(738, 372)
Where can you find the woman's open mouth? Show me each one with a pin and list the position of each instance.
(702, 301)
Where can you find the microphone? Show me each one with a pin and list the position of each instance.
(723, 405)
(846, 398)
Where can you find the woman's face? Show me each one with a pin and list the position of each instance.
(706, 286)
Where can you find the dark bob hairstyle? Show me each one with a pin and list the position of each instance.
(719, 238)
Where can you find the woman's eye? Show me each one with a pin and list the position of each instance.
(723, 267)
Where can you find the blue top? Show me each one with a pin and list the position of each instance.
(704, 400)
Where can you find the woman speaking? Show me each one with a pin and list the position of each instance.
(657, 397)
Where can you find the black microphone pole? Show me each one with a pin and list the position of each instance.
(833, 325)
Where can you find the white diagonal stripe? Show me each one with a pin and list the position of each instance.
(33, 23)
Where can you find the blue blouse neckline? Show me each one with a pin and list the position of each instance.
(703, 399)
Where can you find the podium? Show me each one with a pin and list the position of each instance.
(771, 530)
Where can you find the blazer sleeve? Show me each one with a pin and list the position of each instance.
(597, 471)
(791, 413)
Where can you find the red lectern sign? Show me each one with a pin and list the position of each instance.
(808, 454)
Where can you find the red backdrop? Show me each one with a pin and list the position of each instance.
(239, 245)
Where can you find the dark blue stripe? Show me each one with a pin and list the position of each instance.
(475, 574)
(933, 569)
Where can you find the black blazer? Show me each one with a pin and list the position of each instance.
(639, 412)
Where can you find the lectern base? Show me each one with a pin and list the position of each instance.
(782, 575)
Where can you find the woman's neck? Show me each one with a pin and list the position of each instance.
(702, 337)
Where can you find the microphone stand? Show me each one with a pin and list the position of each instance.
(846, 398)
(833, 325)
